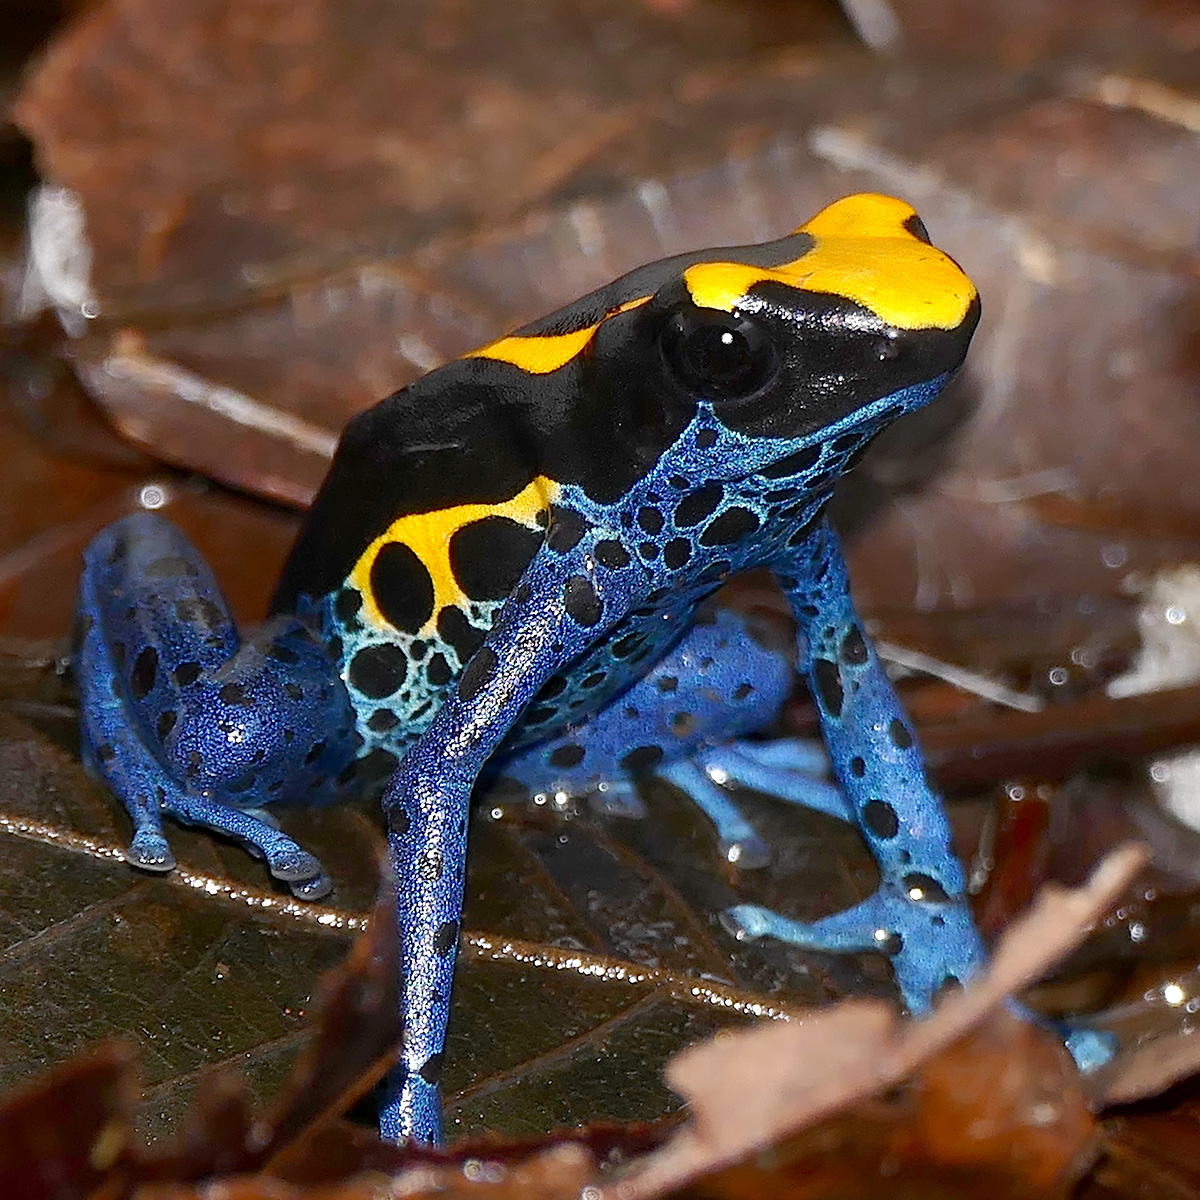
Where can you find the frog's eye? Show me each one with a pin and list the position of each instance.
(717, 355)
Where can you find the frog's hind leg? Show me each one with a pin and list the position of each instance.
(180, 716)
(725, 679)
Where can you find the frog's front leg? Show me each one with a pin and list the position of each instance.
(180, 716)
(563, 603)
(919, 915)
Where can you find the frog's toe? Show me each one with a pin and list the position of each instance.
(150, 852)
(291, 864)
(316, 888)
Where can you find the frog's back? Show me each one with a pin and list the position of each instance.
(482, 428)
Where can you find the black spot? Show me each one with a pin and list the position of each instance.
(437, 671)
(170, 566)
(853, 650)
(648, 550)
(846, 442)
(477, 673)
(105, 752)
(397, 820)
(743, 691)
(667, 684)
(858, 767)
(431, 1070)
(378, 671)
(282, 654)
(489, 556)
(891, 944)
(714, 572)
(611, 554)
(829, 685)
(644, 758)
(445, 939)
(676, 552)
(165, 723)
(293, 691)
(457, 632)
(346, 607)
(631, 712)
(334, 648)
(144, 673)
(627, 645)
(898, 732)
(194, 763)
(118, 552)
(804, 532)
(243, 783)
(650, 519)
(197, 610)
(567, 528)
(794, 464)
(234, 693)
(595, 679)
(583, 606)
(401, 587)
(315, 753)
(706, 438)
(682, 723)
(119, 655)
(543, 712)
(378, 764)
(554, 687)
(880, 818)
(731, 526)
(382, 720)
(808, 611)
(418, 650)
(569, 755)
(678, 482)
(916, 227)
(929, 887)
(289, 736)
(693, 508)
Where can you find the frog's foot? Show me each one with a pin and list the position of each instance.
(664, 726)
(180, 716)
(932, 943)
(788, 769)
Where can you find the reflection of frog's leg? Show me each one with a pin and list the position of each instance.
(179, 716)
(719, 682)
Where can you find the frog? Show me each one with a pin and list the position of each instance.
(511, 572)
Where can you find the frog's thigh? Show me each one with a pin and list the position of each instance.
(181, 717)
(680, 723)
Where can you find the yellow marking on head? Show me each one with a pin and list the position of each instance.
(862, 252)
(428, 536)
(541, 353)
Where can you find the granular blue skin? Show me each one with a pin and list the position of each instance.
(577, 651)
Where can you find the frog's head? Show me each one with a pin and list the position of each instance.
(864, 320)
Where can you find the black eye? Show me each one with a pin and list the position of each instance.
(716, 355)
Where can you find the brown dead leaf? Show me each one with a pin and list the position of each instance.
(751, 1090)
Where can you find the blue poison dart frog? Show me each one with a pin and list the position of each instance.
(502, 577)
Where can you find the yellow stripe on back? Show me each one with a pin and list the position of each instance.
(541, 353)
(862, 252)
(428, 536)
